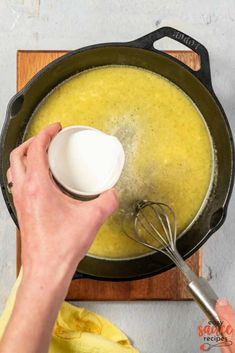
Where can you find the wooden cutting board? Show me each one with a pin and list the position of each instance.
(167, 286)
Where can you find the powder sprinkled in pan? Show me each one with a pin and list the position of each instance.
(169, 155)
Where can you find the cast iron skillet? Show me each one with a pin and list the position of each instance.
(196, 85)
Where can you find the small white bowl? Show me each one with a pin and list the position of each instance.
(58, 165)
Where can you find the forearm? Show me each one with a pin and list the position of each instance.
(38, 301)
(56, 232)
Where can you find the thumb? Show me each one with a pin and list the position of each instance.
(227, 316)
(224, 310)
(107, 203)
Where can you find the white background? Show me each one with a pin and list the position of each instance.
(59, 24)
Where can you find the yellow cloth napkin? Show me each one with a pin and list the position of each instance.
(77, 330)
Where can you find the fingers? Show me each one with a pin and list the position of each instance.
(37, 159)
(17, 170)
(17, 161)
(9, 176)
(227, 316)
(106, 204)
(30, 156)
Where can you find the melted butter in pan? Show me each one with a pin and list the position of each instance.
(169, 156)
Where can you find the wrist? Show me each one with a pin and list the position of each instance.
(45, 284)
(37, 303)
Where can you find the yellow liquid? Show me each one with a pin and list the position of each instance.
(168, 149)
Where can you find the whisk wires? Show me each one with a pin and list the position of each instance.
(155, 227)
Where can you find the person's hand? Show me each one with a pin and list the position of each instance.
(56, 230)
(227, 316)
(56, 233)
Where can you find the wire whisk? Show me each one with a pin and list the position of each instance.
(154, 225)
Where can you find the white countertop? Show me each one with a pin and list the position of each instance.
(47, 24)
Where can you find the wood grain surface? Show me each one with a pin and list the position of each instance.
(167, 286)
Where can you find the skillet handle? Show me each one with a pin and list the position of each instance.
(203, 74)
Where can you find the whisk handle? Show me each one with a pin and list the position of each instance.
(205, 297)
